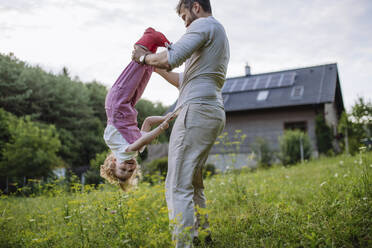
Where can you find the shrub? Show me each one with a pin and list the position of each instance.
(290, 143)
(323, 135)
(209, 170)
(156, 170)
(265, 154)
(92, 176)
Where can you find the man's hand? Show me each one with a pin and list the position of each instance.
(138, 52)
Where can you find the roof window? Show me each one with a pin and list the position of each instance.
(262, 95)
(297, 92)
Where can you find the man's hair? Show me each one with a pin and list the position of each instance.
(205, 4)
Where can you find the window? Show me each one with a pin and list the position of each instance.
(297, 92)
(298, 125)
(262, 95)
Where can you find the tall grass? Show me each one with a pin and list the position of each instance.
(323, 203)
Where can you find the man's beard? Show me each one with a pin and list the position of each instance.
(193, 16)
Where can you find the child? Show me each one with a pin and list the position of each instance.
(122, 134)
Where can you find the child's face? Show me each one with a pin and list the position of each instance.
(125, 170)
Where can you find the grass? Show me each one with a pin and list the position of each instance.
(322, 203)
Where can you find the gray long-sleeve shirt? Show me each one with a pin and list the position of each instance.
(205, 48)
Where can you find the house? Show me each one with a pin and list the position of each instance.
(266, 104)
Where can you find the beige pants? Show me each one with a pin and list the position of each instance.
(193, 135)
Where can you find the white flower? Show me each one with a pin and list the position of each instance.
(336, 175)
(32, 220)
(321, 185)
(365, 198)
(68, 217)
(341, 162)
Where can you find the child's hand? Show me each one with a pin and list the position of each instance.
(164, 125)
(168, 117)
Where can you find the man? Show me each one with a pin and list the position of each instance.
(205, 49)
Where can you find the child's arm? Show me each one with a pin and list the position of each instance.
(151, 135)
(151, 121)
(172, 77)
(148, 137)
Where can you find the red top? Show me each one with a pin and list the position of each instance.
(153, 39)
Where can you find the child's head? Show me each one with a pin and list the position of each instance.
(123, 174)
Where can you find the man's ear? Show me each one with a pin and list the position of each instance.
(196, 7)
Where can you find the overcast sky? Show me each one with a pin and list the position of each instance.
(94, 38)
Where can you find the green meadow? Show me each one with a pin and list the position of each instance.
(322, 203)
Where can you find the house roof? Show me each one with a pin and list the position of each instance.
(303, 86)
(296, 87)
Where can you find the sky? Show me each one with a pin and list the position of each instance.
(94, 38)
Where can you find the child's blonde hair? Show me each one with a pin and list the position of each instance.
(108, 169)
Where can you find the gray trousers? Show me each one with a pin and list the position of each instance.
(193, 135)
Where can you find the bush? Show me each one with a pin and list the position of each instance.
(156, 170)
(290, 152)
(209, 170)
(323, 135)
(265, 154)
(93, 176)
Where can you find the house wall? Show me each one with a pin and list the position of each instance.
(267, 124)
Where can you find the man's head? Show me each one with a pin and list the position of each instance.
(190, 10)
(123, 174)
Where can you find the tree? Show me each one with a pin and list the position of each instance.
(356, 126)
(146, 108)
(13, 92)
(74, 108)
(97, 95)
(31, 150)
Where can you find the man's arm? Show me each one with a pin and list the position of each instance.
(194, 38)
(158, 60)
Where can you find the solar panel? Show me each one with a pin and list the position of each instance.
(262, 81)
(250, 84)
(288, 79)
(234, 83)
(244, 84)
(276, 80)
